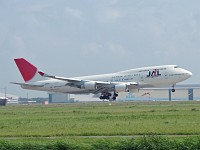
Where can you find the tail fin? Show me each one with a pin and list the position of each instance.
(28, 71)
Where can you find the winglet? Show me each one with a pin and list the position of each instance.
(41, 73)
(45, 75)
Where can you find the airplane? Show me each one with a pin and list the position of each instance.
(107, 85)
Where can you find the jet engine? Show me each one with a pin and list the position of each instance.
(121, 88)
(91, 85)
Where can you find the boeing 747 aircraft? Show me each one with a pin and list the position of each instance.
(109, 85)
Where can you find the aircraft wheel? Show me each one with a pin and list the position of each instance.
(114, 98)
(115, 94)
(101, 97)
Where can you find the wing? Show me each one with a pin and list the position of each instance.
(97, 86)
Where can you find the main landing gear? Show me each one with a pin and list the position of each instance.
(109, 96)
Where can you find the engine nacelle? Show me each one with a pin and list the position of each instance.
(91, 85)
(121, 88)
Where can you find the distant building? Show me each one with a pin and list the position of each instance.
(58, 98)
(183, 92)
(85, 98)
(72, 98)
(11, 99)
(3, 101)
(162, 94)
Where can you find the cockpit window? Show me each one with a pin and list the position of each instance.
(176, 66)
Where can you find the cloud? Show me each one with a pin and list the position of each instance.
(113, 2)
(11, 44)
(19, 42)
(74, 12)
(92, 48)
(117, 49)
(162, 53)
(109, 48)
(111, 15)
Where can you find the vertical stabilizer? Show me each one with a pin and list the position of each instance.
(28, 71)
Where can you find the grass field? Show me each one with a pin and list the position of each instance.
(67, 121)
(89, 119)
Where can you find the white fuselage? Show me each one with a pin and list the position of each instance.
(145, 77)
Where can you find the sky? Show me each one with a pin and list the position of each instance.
(75, 37)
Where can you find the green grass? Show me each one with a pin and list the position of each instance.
(70, 126)
(90, 119)
(144, 143)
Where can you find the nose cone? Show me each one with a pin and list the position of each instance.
(189, 74)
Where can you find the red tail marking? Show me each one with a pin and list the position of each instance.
(26, 69)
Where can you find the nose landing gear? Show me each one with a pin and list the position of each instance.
(173, 89)
(108, 96)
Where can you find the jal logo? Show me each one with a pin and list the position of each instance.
(154, 73)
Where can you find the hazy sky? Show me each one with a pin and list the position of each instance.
(83, 37)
